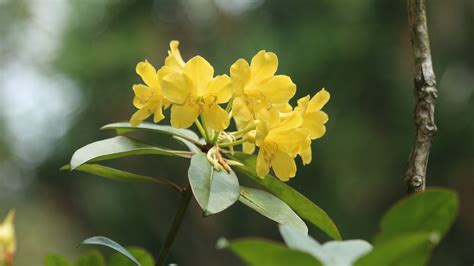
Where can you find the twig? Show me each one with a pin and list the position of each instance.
(425, 93)
(186, 196)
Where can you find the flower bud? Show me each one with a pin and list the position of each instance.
(7, 240)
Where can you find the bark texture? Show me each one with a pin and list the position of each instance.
(425, 93)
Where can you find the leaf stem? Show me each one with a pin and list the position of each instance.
(186, 196)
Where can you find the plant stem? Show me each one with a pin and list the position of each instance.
(216, 136)
(235, 143)
(201, 129)
(243, 131)
(166, 247)
(206, 132)
(425, 93)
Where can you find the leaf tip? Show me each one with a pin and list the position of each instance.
(65, 167)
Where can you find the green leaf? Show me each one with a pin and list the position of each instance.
(55, 260)
(185, 136)
(341, 253)
(92, 258)
(432, 210)
(304, 207)
(124, 127)
(116, 174)
(104, 241)
(404, 250)
(256, 252)
(214, 190)
(271, 207)
(143, 257)
(117, 147)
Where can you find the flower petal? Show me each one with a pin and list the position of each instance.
(174, 61)
(148, 73)
(142, 94)
(158, 115)
(175, 88)
(183, 116)
(216, 117)
(221, 88)
(283, 165)
(306, 154)
(263, 163)
(263, 66)
(290, 141)
(279, 89)
(240, 73)
(200, 72)
(303, 103)
(318, 100)
(248, 147)
(241, 113)
(314, 123)
(289, 121)
(139, 116)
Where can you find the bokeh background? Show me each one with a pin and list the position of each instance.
(67, 67)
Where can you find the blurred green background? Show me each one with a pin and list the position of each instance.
(67, 67)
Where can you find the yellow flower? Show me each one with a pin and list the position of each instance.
(7, 240)
(196, 92)
(148, 98)
(256, 86)
(279, 141)
(313, 118)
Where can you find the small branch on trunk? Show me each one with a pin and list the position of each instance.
(425, 93)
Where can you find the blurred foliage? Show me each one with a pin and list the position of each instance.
(357, 50)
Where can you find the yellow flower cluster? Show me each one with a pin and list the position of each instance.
(257, 99)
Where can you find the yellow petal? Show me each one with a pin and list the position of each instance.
(216, 117)
(142, 95)
(241, 112)
(148, 73)
(290, 141)
(7, 238)
(270, 117)
(200, 73)
(303, 103)
(263, 66)
(240, 73)
(306, 154)
(174, 61)
(283, 107)
(314, 123)
(279, 89)
(319, 100)
(174, 47)
(221, 88)
(261, 133)
(248, 147)
(175, 88)
(183, 116)
(139, 116)
(283, 165)
(263, 163)
(289, 121)
(158, 115)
